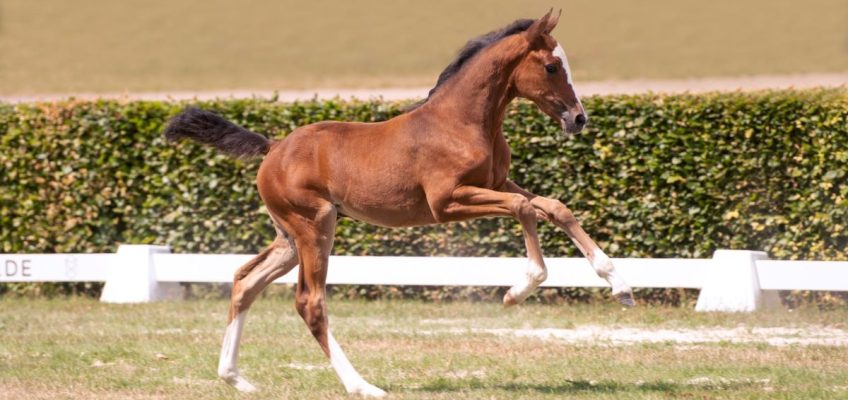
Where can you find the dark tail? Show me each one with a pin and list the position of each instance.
(209, 128)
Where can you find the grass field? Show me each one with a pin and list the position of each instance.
(83, 349)
(107, 46)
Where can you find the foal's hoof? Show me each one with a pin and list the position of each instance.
(240, 384)
(509, 300)
(625, 298)
(366, 389)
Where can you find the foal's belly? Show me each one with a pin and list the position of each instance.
(390, 210)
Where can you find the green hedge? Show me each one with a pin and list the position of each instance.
(658, 176)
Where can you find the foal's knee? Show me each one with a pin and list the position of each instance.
(522, 208)
(562, 214)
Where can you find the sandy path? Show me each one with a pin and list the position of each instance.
(620, 336)
(694, 85)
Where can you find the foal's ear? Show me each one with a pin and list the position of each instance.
(552, 21)
(539, 27)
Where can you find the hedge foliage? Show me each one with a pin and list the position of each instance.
(652, 175)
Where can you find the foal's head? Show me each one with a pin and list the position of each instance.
(543, 76)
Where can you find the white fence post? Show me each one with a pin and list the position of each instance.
(132, 279)
(733, 283)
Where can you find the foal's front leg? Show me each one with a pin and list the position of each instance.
(468, 202)
(557, 213)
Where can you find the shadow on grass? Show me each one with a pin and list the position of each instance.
(569, 386)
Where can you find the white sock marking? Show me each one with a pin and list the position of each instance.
(603, 266)
(227, 369)
(352, 381)
(536, 274)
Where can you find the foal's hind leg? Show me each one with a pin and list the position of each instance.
(275, 261)
(314, 243)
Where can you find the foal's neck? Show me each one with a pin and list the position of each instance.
(480, 93)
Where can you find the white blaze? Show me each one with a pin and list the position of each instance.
(560, 53)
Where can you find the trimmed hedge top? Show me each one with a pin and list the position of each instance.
(652, 175)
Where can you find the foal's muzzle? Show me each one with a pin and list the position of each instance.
(573, 122)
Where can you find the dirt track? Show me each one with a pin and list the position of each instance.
(623, 335)
(585, 89)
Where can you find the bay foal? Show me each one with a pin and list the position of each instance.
(445, 160)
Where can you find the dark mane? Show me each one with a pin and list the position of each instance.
(473, 47)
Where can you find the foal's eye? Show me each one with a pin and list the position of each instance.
(551, 68)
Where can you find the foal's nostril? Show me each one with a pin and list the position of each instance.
(580, 119)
